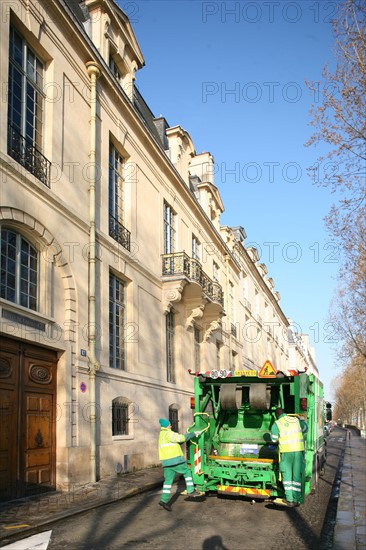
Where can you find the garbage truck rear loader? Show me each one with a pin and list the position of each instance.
(234, 454)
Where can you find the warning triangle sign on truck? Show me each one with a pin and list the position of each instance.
(267, 371)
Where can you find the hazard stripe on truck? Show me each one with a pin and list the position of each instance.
(243, 491)
(240, 459)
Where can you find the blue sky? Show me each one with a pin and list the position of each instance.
(233, 75)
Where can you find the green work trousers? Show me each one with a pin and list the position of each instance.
(290, 468)
(169, 475)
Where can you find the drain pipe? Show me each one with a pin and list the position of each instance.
(93, 365)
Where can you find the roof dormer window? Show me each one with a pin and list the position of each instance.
(113, 67)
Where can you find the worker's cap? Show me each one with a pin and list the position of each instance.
(164, 422)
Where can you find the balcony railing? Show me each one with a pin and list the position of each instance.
(180, 264)
(24, 151)
(247, 304)
(119, 233)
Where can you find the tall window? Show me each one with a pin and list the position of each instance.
(120, 416)
(257, 302)
(170, 355)
(169, 229)
(196, 248)
(231, 302)
(117, 291)
(25, 107)
(197, 342)
(19, 270)
(216, 272)
(113, 66)
(233, 360)
(245, 285)
(218, 355)
(116, 199)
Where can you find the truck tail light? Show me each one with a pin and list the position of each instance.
(192, 403)
(303, 404)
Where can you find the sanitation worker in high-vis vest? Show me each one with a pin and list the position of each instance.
(288, 431)
(172, 459)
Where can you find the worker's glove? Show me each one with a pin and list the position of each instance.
(197, 433)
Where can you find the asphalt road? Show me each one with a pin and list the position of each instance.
(215, 523)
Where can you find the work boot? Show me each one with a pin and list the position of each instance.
(166, 506)
(283, 502)
(195, 494)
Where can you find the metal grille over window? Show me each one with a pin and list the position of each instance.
(120, 418)
(173, 418)
(25, 108)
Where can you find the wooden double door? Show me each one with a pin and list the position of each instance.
(27, 419)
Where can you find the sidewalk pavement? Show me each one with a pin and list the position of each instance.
(25, 516)
(28, 515)
(350, 527)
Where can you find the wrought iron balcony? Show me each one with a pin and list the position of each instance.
(247, 304)
(180, 264)
(119, 233)
(24, 151)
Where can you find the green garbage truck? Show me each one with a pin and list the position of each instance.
(234, 411)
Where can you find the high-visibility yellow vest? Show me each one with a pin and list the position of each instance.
(290, 435)
(169, 444)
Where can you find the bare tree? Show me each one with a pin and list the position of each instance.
(340, 123)
(349, 389)
(339, 118)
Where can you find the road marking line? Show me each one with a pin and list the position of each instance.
(35, 542)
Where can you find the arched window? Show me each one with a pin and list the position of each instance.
(18, 270)
(174, 417)
(121, 415)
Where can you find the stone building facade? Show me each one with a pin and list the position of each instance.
(116, 274)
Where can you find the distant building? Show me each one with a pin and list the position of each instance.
(116, 274)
